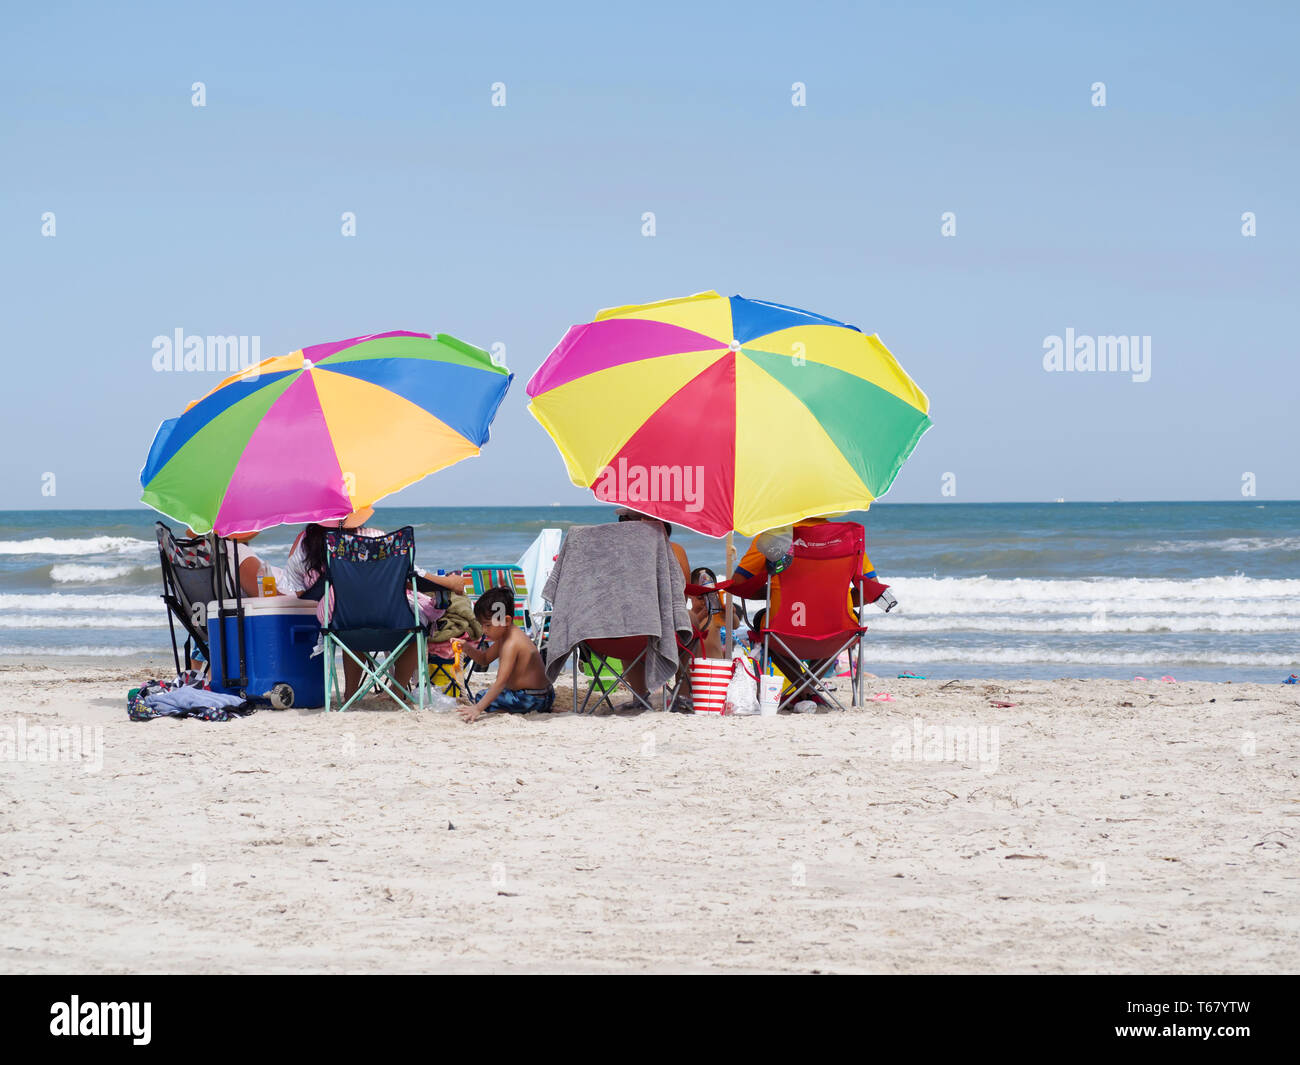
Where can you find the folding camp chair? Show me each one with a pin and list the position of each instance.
(814, 621)
(608, 659)
(442, 674)
(483, 576)
(451, 674)
(190, 583)
(539, 626)
(366, 581)
(479, 578)
(602, 658)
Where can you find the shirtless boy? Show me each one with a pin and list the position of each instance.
(521, 686)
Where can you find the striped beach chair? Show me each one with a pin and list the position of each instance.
(480, 576)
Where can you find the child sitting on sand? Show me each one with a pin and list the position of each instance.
(521, 686)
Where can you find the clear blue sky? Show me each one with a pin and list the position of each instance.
(509, 224)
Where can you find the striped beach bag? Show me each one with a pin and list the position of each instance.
(709, 680)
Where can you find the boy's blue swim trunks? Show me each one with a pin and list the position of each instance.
(522, 701)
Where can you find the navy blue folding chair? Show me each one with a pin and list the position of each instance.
(366, 581)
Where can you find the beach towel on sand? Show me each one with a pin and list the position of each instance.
(618, 580)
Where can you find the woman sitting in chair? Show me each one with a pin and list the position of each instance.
(306, 570)
(770, 556)
(251, 569)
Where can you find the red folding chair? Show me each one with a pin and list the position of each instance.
(607, 656)
(814, 619)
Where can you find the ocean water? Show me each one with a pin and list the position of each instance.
(1199, 591)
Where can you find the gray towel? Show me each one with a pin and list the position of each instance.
(613, 580)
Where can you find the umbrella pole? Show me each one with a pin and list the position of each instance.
(731, 568)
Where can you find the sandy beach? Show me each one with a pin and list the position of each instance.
(1104, 827)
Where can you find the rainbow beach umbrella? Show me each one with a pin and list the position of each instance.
(728, 414)
(324, 431)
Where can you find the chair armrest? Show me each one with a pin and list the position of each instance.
(745, 589)
(870, 588)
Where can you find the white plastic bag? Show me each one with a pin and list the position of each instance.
(742, 692)
(441, 701)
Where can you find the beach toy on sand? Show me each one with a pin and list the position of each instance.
(907, 675)
(1293, 679)
(1168, 680)
(882, 697)
(323, 432)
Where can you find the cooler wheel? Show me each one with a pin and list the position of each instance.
(281, 696)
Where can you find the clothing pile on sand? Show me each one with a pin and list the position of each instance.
(457, 621)
(189, 695)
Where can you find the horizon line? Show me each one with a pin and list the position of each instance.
(595, 505)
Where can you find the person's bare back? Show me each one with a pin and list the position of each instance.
(523, 666)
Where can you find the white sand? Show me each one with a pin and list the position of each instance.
(1109, 838)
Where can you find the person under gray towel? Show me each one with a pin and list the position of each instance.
(617, 580)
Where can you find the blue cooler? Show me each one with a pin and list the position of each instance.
(279, 634)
